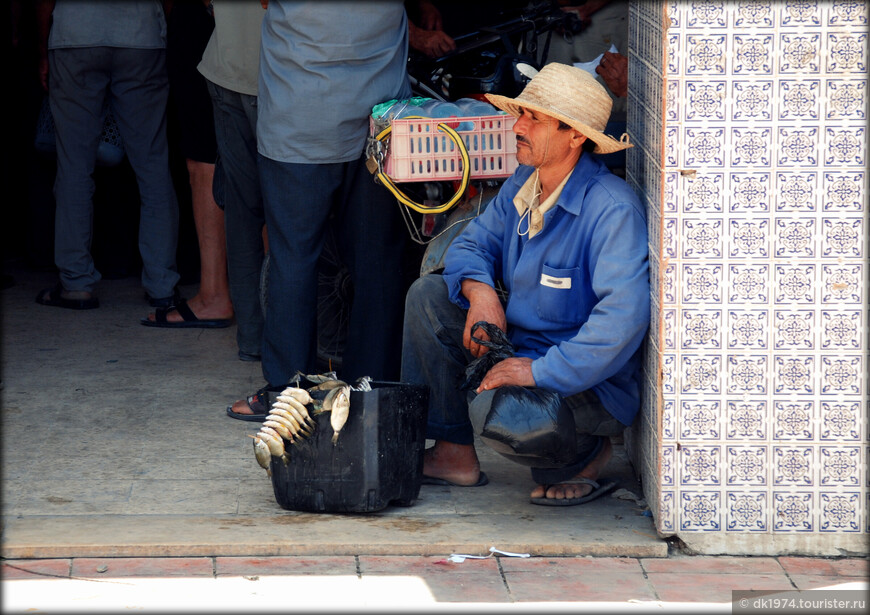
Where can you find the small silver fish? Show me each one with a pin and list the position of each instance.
(262, 454)
(286, 419)
(340, 411)
(300, 395)
(281, 428)
(299, 412)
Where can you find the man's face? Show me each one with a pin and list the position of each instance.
(540, 142)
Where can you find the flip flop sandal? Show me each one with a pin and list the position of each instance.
(189, 319)
(164, 302)
(260, 404)
(597, 491)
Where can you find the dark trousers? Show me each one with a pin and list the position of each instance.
(237, 191)
(135, 80)
(298, 201)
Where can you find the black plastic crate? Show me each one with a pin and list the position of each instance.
(377, 460)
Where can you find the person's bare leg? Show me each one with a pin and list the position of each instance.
(213, 299)
(592, 470)
(457, 463)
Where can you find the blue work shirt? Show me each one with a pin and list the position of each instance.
(579, 294)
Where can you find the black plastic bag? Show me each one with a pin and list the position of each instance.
(528, 425)
(499, 348)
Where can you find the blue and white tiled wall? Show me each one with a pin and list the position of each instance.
(750, 125)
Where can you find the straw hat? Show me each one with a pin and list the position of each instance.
(569, 94)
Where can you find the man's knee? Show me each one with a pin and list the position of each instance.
(528, 425)
(591, 417)
(425, 291)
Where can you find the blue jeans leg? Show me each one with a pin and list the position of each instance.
(237, 191)
(298, 200)
(433, 355)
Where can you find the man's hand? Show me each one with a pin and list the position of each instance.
(513, 370)
(613, 68)
(433, 43)
(484, 305)
(430, 16)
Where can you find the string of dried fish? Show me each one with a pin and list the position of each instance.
(297, 410)
(300, 395)
(290, 416)
(281, 428)
(282, 416)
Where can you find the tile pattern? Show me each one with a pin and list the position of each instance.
(645, 108)
(756, 188)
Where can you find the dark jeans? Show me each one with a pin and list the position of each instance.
(298, 200)
(237, 192)
(433, 355)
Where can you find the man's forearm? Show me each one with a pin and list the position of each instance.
(475, 291)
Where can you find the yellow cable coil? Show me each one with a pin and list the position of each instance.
(405, 199)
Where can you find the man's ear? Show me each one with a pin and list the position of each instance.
(577, 139)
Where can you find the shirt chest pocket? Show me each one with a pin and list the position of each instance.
(560, 295)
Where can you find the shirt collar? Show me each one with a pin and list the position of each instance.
(585, 169)
(529, 208)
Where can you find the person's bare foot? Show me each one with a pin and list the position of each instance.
(214, 309)
(456, 463)
(241, 406)
(567, 490)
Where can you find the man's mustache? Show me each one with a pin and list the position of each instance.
(522, 140)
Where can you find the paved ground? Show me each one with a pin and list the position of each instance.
(116, 443)
(126, 485)
(397, 583)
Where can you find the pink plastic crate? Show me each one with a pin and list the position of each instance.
(419, 151)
